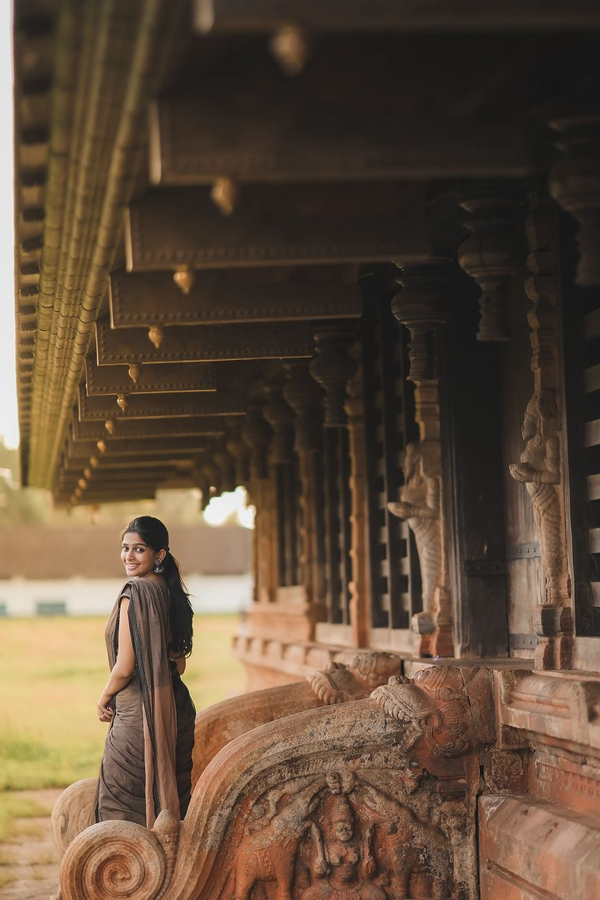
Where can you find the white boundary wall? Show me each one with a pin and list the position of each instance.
(95, 597)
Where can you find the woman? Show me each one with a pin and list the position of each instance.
(147, 762)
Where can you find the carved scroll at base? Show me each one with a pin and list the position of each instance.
(120, 859)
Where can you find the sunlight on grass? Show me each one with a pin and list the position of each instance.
(52, 672)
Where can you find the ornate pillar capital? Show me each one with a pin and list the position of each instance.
(492, 254)
(305, 397)
(423, 305)
(280, 417)
(332, 367)
(574, 182)
(257, 433)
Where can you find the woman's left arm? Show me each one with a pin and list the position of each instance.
(122, 669)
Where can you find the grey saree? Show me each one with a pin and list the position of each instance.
(147, 761)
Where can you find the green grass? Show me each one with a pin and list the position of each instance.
(51, 674)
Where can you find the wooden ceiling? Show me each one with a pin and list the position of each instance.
(202, 186)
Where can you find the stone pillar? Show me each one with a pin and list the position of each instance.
(423, 306)
(492, 254)
(541, 464)
(305, 397)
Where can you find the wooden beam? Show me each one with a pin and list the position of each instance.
(202, 343)
(223, 297)
(194, 143)
(148, 460)
(109, 494)
(276, 226)
(151, 379)
(395, 15)
(148, 429)
(158, 406)
(82, 450)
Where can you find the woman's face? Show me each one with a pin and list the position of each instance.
(137, 557)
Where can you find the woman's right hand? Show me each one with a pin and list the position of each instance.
(105, 712)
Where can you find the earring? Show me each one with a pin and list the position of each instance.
(158, 566)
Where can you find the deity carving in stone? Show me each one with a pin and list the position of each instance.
(343, 862)
(344, 838)
(419, 505)
(539, 470)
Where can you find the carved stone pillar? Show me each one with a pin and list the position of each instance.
(574, 182)
(305, 397)
(423, 306)
(332, 367)
(360, 594)
(491, 254)
(541, 464)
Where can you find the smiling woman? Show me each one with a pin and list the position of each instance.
(147, 762)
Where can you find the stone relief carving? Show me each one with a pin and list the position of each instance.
(269, 848)
(419, 505)
(350, 840)
(539, 470)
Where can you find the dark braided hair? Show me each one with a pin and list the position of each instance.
(156, 536)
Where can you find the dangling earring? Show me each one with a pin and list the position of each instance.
(158, 566)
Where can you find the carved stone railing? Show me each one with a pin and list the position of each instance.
(222, 722)
(217, 725)
(371, 799)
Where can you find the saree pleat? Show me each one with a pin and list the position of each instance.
(146, 767)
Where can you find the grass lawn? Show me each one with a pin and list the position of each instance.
(51, 674)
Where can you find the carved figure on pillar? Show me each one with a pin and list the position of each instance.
(539, 470)
(540, 467)
(423, 306)
(419, 505)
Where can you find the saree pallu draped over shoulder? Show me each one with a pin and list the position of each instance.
(142, 765)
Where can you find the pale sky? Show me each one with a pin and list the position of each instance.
(8, 392)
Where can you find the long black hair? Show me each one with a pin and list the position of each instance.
(156, 536)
